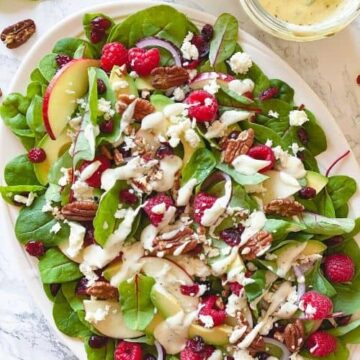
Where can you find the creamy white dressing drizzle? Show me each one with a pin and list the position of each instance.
(185, 192)
(247, 165)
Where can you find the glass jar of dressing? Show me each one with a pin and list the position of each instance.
(302, 20)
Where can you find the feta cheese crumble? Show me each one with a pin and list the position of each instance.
(241, 86)
(298, 118)
(240, 62)
(189, 51)
(273, 114)
(212, 87)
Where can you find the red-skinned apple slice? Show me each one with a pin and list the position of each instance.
(68, 85)
(202, 79)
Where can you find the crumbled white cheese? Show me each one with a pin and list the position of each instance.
(27, 201)
(241, 86)
(98, 315)
(216, 355)
(133, 74)
(295, 148)
(240, 63)
(64, 180)
(75, 122)
(273, 114)
(119, 84)
(178, 94)
(189, 51)
(192, 74)
(212, 86)
(88, 272)
(55, 228)
(104, 107)
(207, 320)
(298, 118)
(82, 191)
(83, 104)
(242, 355)
(76, 238)
(192, 138)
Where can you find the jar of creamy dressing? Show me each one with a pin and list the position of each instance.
(302, 20)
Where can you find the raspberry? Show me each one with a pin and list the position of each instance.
(36, 155)
(143, 61)
(196, 349)
(232, 236)
(101, 87)
(269, 93)
(315, 305)
(62, 60)
(321, 344)
(263, 152)
(202, 202)
(307, 193)
(210, 308)
(189, 290)
(339, 268)
(203, 106)
(202, 45)
(107, 127)
(196, 344)
(95, 179)
(35, 248)
(207, 32)
(113, 54)
(128, 197)
(157, 217)
(128, 351)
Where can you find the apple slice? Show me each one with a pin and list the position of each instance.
(202, 79)
(170, 276)
(113, 324)
(53, 149)
(68, 85)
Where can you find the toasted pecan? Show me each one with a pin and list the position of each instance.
(167, 77)
(103, 290)
(80, 210)
(294, 335)
(284, 207)
(233, 147)
(17, 34)
(256, 245)
(142, 108)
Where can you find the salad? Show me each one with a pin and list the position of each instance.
(171, 195)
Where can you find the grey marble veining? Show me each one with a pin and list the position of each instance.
(330, 67)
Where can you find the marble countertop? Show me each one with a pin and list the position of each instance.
(329, 66)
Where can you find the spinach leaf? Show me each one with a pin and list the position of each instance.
(286, 93)
(20, 171)
(8, 192)
(93, 96)
(67, 320)
(225, 37)
(255, 288)
(347, 329)
(34, 88)
(55, 267)
(87, 23)
(69, 46)
(69, 291)
(38, 77)
(261, 81)
(263, 133)
(135, 301)
(318, 282)
(317, 138)
(34, 117)
(162, 21)
(340, 190)
(321, 225)
(48, 66)
(280, 228)
(199, 167)
(104, 353)
(240, 198)
(64, 161)
(105, 221)
(241, 178)
(227, 97)
(33, 224)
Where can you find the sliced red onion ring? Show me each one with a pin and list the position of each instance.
(285, 351)
(167, 45)
(300, 280)
(214, 178)
(160, 351)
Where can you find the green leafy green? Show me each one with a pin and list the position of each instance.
(34, 224)
(135, 301)
(346, 329)
(225, 37)
(318, 282)
(69, 46)
(241, 178)
(48, 66)
(20, 171)
(87, 23)
(34, 117)
(104, 353)
(263, 133)
(286, 93)
(340, 190)
(280, 228)
(55, 267)
(227, 97)
(255, 288)
(8, 192)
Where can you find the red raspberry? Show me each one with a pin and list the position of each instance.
(315, 305)
(189, 290)
(36, 155)
(211, 309)
(128, 351)
(202, 202)
(321, 344)
(35, 248)
(157, 200)
(143, 61)
(196, 349)
(203, 106)
(95, 179)
(339, 268)
(113, 54)
(263, 152)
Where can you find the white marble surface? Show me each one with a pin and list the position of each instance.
(329, 66)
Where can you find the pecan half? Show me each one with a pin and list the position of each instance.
(167, 77)
(80, 210)
(256, 245)
(284, 207)
(17, 34)
(183, 241)
(142, 108)
(103, 290)
(294, 334)
(231, 148)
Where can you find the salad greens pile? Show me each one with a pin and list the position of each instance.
(184, 221)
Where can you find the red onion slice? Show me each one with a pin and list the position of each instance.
(167, 45)
(300, 280)
(160, 351)
(214, 178)
(285, 351)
